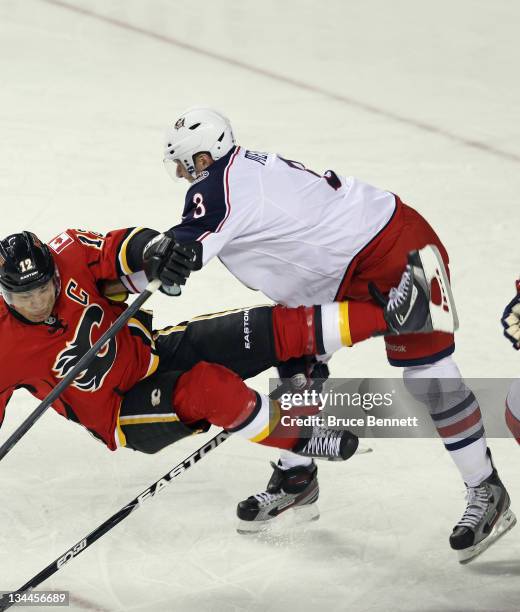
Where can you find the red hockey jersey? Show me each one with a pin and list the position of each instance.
(38, 356)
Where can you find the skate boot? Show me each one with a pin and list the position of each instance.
(412, 307)
(325, 443)
(487, 517)
(295, 488)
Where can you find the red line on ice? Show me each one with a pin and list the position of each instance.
(230, 61)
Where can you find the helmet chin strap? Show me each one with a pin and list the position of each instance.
(57, 283)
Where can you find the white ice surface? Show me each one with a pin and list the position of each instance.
(393, 92)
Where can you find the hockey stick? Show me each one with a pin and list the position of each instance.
(120, 322)
(116, 518)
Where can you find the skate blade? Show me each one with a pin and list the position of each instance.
(444, 316)
(294, 517)
(361, 450)
(305, 514)
(505, 523)
(252, 527)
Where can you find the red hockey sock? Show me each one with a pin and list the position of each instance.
(513, 423)
(318, 330)
(281, 436)
(215, 394)
(286, 430)
(294, 331)
(365, 321)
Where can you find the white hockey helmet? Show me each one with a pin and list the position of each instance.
(198, 130)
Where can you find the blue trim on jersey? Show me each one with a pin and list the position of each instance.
(205, 204)
(405, 363)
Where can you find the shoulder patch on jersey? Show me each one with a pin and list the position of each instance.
(60, 242)
(203, 175)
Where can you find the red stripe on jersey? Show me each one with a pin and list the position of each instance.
(226, 189)
(204, 235)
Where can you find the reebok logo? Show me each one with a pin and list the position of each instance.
(396, 348)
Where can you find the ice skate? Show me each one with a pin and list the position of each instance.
(487, 517)
(423, 301)
(294, 489)
(327, 443)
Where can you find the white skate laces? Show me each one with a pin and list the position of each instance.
(478, 503)
(324, 444)
(265, 498)
(398, 295)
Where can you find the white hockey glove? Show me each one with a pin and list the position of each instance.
(511, 319)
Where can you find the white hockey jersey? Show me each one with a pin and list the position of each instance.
(279, 227)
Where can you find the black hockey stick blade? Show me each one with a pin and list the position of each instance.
(116, 518)
(119, 323)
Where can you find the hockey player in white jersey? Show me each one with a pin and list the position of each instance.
(303, 238)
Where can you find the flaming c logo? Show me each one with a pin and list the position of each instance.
(91, 378)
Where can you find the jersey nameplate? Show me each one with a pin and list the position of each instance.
(261, 158)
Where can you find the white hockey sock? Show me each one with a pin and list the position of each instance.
(456, 415)
(289, 460)
(473, 462)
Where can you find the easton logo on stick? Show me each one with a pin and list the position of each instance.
(179, 469)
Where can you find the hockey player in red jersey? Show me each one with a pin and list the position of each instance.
(305, 238)
(147, 389)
